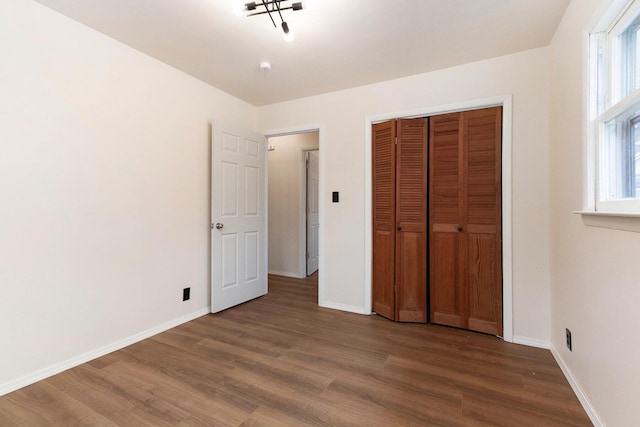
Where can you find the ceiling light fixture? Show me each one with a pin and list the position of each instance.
(273, 7)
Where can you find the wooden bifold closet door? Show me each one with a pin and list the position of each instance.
(400, 219)
(465, 220)
(464, 239)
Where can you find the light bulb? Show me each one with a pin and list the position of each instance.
(288, 35)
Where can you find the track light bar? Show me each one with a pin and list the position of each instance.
(253, 6)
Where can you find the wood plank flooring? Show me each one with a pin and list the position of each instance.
(281, 360)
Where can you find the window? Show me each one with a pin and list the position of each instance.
(614, 110)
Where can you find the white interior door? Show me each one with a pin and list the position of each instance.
(313, 216)
(238, 217)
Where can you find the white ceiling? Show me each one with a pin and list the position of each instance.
(338, 43)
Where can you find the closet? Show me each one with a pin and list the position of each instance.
(437, 238)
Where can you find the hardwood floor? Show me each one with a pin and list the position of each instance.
(282, 360)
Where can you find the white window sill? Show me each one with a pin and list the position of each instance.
(613, 220)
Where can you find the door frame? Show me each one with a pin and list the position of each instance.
(314, 127)
(506, 102)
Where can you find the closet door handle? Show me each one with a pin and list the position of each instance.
(399, 227)
(459, 228)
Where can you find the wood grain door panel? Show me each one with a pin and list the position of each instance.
(384, 274)
(446, 296)
(411, 219)
(384, 218)
(484, 292)
(411, 291)
(465, 208)
(482, 131)
(444, 292)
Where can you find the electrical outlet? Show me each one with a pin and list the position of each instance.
(568, 332)
(186, 294)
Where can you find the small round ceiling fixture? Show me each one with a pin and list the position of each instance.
(265, 66)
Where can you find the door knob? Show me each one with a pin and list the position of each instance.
(219, 226)
(399, 227)
(459, 228)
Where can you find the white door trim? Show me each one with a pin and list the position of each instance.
(318, 127)
(506, 101)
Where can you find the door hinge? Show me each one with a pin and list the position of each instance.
(396, 140)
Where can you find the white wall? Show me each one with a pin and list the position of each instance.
(595, 286)
(286, 202)
(343, 113)
(104, 191)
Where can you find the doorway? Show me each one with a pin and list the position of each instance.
(289, 233)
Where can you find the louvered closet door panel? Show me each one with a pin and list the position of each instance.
(482, 143)
(411, 219)
(446, 205)
(384, 220)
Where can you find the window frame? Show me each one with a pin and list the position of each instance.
(607, 102)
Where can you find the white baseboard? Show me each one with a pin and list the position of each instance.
(582, 397)
(343, 307)
(532, 342)
(286, 274)
(94, 354)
